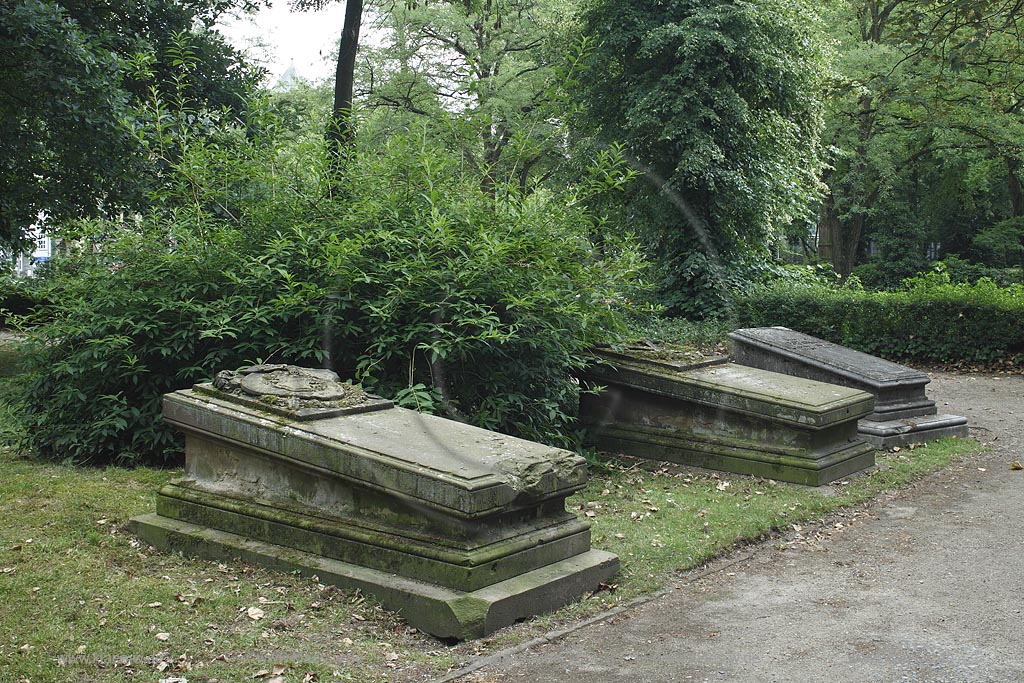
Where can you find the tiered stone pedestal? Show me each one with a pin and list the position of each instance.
(461, 530)
(903, 413)
(722, 416)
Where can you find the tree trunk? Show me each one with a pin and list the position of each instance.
(838, 240)
(339, 132)
(1016, 191)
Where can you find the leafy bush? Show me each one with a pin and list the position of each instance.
(704, 289)
(1003, 243)
(887, 275)
(17, 297)
(417, 284)
(931, 319)
(964, 271)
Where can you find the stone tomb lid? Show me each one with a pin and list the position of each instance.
(846, 362)
(441, 463)
(770, 395)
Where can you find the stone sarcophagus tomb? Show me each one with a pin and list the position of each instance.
(903, 412)
(722, 416)
(460, 530)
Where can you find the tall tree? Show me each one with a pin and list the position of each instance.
(340, 128)
(487, 71)
(72, 77)
(719, 103)
(928, 100)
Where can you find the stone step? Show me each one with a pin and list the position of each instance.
(440, 611)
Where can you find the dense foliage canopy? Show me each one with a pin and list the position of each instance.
(73, 78)
(512, 173)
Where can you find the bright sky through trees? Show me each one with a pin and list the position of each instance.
(276, 37)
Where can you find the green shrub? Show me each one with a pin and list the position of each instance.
(932, 319)
(17, 298)
(417, 283)
(1002, 244)
(885, 275)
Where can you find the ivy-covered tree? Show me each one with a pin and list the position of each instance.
(719, 104)
(73, 75)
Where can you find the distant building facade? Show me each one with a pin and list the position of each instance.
(25, 265)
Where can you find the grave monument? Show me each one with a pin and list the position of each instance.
(903, 412)
(460, 530)
(721, 416)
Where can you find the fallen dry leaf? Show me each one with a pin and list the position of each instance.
(310, 678)
(162, 636)
(154, 604)
(278, 669)
(254, 613)
(1015, 465)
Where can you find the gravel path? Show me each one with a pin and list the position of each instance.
(925, 586)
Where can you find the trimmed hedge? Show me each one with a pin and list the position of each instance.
(930, 320)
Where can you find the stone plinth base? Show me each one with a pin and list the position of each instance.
(891, 433)
(443, 612)
(723, 455)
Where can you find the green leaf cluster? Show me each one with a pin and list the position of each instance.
(75, 76)
(415, 282)
(924, 131)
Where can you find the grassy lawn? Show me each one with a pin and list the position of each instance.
(84, 600)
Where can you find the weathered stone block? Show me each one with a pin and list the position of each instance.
(901, 403)
(318, 469)
(726, 417)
